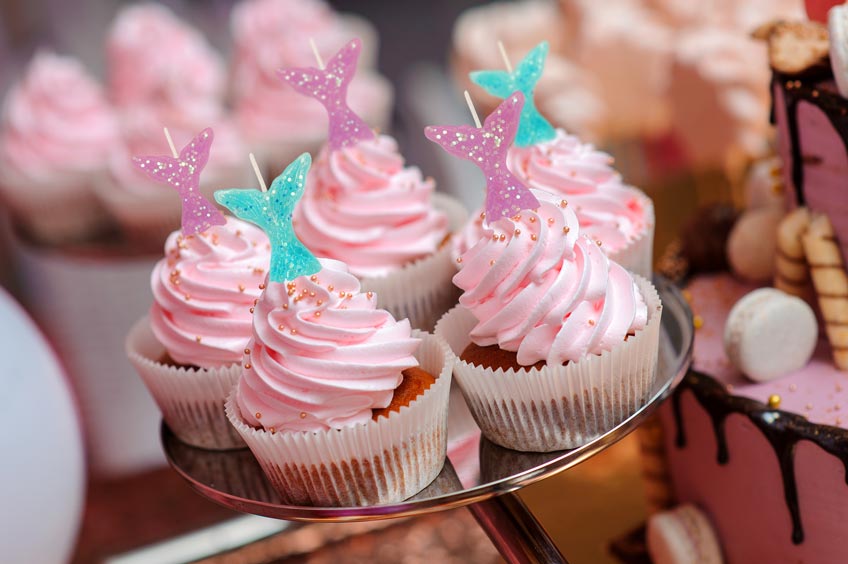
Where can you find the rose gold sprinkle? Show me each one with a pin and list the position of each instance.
(370, 295)
(532, 219)
(319, 302)
(272, 430)
(255, 301)
(293, 331)
(599, 242)
(501, 237)
(492, 262)
(592, 322)
(241, 287)
(246, 351)
(349, 295)
(341, 294)
(495, 237)
(808, 407)
(482, 215)
(517, 232)
(258, 270)
(285, 306)
(317, 314)
(187, 297)
(176, 282)
(565, 230)
(281, 327)
(330, 288)
(303, 415)
(262, 286)
(247, 366)
(258, 415)
(304, 291)
(792, 387)
(251, 310)
(314, 278)
(459, 260)
(198, 339)
(563, 203)
(311, 294)
(238, 232)
(533, 237)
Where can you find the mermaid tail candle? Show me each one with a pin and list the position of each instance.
(487, 147)
(329, 86)
(272, 212)
(532, 128)
(183, 173)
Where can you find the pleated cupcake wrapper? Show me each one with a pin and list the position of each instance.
(557, 407)
(191, 400)
(382, 461)
(422, 291)
(637, 256)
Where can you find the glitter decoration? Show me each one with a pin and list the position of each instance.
(533, 128)
(487, 148)
(329, 86)
(183, 173)
(272, 212)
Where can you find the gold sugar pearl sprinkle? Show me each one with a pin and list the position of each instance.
(698, 321)
(774, 401)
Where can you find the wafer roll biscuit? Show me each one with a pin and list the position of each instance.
(791, 273)
(827, 270)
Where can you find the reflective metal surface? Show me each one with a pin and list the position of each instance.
(476, 469)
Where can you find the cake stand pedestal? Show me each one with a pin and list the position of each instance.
(477, 473)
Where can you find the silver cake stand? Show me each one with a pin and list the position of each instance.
(477, 474)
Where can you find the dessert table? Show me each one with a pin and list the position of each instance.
(477, 473)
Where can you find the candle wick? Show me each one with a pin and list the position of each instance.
(258, 173)
(473, 110)
(171, 143)
(317, 54)
(504, 56)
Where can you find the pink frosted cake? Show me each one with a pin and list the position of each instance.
(766, 461)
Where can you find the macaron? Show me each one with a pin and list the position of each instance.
(752, 244)
(682, 535)
(770, 333)
(837, 27)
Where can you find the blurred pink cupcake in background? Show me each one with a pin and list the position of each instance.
(276, 121)
(56, 131)
(162, 72)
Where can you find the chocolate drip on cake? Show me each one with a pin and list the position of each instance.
(818, 90)
(783, 431)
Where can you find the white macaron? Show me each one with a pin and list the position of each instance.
(770, 333)
(682, 535)
(837, 29)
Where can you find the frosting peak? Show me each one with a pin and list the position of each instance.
(362, 205)
(322, 355)
(540, 288)
(203, 291)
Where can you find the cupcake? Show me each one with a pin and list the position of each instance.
(556, 343)
(276, 122)
(340, 403)
(189, 348)
(149, 54)
(56, 130)
(364, 206)
(549, 159)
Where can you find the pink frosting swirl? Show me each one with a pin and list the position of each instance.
(364, 207)
(203, 291)
(606, 208)
(273, 34)
(322, 355)
(537, 287)
(56, 124)
(157, 60)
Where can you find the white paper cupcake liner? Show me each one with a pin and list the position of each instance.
(638, 255)
(191, 399)
(557, 407)
(422, 291)
(382, 461)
